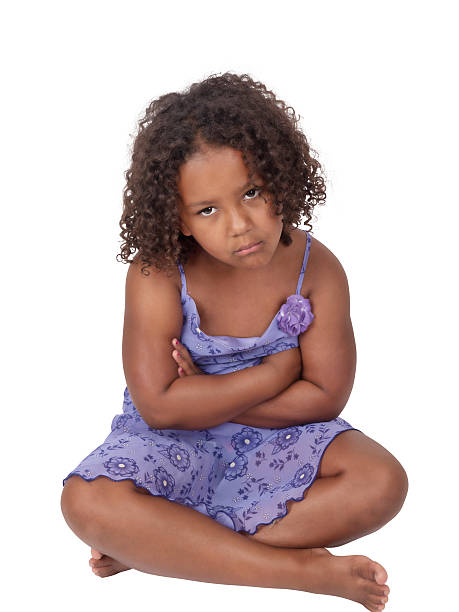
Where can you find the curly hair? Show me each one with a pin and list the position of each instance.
(227, 110)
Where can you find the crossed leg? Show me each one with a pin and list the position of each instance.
(360, 487)
(157, 536)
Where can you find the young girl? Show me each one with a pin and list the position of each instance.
(230, 463)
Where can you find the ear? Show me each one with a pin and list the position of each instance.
(279, 207)
(275, 203)
(184, 229)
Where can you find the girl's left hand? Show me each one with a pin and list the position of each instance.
(186, 366)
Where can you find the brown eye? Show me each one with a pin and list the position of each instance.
(255, 190)
(207, 208)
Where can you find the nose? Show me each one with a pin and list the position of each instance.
(239, 221)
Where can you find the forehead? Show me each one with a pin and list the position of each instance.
(211, 171)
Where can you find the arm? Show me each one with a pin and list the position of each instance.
(328, 354)
(153, 316)
(302, 402)
(200, 402)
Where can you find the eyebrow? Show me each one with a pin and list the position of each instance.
(207, 202)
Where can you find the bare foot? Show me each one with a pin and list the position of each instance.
(104, 566)
(353, 577)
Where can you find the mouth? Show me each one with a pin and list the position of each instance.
(249, 248)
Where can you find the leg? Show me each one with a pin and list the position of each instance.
(359, 488)
(157, 536)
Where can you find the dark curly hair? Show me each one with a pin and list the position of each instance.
(227, 110)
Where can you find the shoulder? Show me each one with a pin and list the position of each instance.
(152, 276)
(324, 271)
(153, 297)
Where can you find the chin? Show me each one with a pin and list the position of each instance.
(252, 263)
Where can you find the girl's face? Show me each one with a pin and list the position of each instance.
(224, 210)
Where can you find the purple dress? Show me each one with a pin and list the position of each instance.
(240, 476)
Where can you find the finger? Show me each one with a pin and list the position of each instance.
(180, 360)
(183, 357)
(185, 362)
(185, 366)
(181, 348)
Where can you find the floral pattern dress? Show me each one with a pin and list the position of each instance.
(238, 475)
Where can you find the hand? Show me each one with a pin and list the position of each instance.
(186, 366)
(287, 365)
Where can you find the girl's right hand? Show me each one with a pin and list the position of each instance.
(286, 365)
(185, 364)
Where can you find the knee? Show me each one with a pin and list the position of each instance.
(388, 488)
(80, 505)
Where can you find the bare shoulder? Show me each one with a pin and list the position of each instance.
(149, 297)
(152, 317)
(153, 274)
(325, 272)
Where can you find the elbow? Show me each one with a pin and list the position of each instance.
(334, 409)
(334, 415)
(165, 414)
(156, 412)
(149, 416)
(331, 406)
(162, 421)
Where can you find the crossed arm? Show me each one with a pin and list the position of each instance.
(328, 359)
(296, 386)
(300, 402)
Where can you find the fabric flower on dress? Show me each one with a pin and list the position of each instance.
(295, 315)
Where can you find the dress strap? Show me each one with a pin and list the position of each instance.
(183, 279)
(305, 261)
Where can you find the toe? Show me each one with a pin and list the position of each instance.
(378, 601)
(103, 572)
(102, 563)
(379, 573)
(379, 591)
(96, 554)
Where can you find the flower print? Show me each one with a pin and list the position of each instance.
(295, 315)
(127, 395)
(164, 481)
(179, 457)
(303, 476)
(280, 345)
(225, 516)
(195, 328)
(201, 507)
(237, 467)
(285, 438)
(342, 422)
(127, 400)
(121, 466)
(241, 476)
(246, 440)
(120, 421)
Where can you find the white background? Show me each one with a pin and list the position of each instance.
(374, 83)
